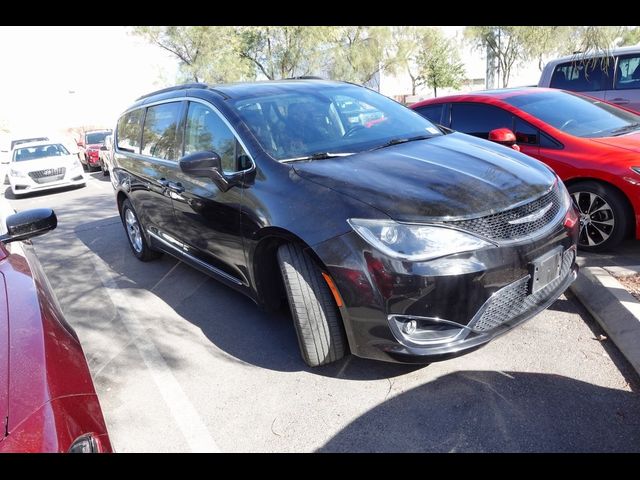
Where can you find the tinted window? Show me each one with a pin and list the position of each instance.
(478, 120)
(588, 76)
(206, 131)
(96, 137)
(128, 133)
(526, 134)
(291, 124)
(628, 73)
(41, 151)
(575, 114)
(431, 112)
(159, 137)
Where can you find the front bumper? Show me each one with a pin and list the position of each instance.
(22, 185)
(483, 293)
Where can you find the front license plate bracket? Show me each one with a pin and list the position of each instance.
(545, 269)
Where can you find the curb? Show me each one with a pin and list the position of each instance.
(613, 307)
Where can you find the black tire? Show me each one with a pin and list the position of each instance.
(315, 315)
(105, 172)
(605, 216)
(140, 249)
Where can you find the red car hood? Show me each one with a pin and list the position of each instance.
(628, 142)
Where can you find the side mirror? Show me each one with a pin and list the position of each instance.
(80, 144)
(504, 136)
(205, 164)
(28, 224)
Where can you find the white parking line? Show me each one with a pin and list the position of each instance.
(184, 413)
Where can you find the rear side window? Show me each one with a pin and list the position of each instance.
(589, 76)
(159, 136)
(431, 112)
(128, 132)
(206, 131)
(478, 120)
(628, 73)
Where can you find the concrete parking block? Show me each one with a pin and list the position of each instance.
(613, 307)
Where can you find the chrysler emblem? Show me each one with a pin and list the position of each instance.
(531, 217)
(47, 173)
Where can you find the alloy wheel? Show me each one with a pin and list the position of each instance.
(133, 230)
(597, 220)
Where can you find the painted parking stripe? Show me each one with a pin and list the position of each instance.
(184, 413)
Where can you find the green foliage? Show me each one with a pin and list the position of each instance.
(284, 51)
(206, 53)
(630, 36)
(358, 53)
(438, 62)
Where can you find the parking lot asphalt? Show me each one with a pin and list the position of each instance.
(182, 363)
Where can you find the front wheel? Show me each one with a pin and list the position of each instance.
(135, 235)
(315, 315)
(604, 220)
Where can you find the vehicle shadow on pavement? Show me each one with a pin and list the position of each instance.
(229, 320)
(484, 411)
(8, 194)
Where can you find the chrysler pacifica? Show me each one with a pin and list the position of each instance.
(388, 237)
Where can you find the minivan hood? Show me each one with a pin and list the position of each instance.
(628, 142)
(453, 175)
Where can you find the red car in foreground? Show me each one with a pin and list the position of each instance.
(47, 399)
(592, 145)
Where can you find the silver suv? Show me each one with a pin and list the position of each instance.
(614, 78)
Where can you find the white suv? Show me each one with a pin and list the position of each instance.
(614, 78)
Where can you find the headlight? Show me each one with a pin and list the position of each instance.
(415, 243)
(636, 169)
(83, 444)
(17, 173)
(565, 196)
(76, 163)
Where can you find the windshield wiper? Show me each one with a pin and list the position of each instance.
(625, 129)
(317, 156)
(398, 141)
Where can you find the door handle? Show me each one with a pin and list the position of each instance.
(175, 186)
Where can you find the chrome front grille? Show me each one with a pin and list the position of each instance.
(48, 175)
(512, 300)
(497, 226)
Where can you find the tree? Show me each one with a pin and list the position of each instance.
(360, 52)
(284, 51)
(630, 36)
(406, 43)
(206, 53)
(438, 62)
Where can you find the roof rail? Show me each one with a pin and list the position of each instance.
(305, 77)
(184, 86)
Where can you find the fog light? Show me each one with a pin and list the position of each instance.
(423, 331)
(410, 327)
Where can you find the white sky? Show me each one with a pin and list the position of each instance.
(106, 67)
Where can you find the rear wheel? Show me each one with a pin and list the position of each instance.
(604, 217)
(315, 315)
(135, 235)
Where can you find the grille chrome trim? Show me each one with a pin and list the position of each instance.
(48, 175)
(498, 227)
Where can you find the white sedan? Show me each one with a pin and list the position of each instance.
(43, 165)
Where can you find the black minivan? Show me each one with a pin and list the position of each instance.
(388, 237)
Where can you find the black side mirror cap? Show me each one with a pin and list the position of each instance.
(29, 224)
(205, 164)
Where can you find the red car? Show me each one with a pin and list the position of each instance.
(592, 145)
(90, 147)
(47, 399)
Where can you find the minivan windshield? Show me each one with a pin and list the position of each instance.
(41, 151)
(329, 120)
(576, 115)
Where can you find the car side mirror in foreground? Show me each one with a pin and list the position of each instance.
(29, 224)
(504, 136)
(205, 164)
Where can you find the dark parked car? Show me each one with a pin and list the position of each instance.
(388, 238)
(90, 147)
(592, 145)
(47, 399)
